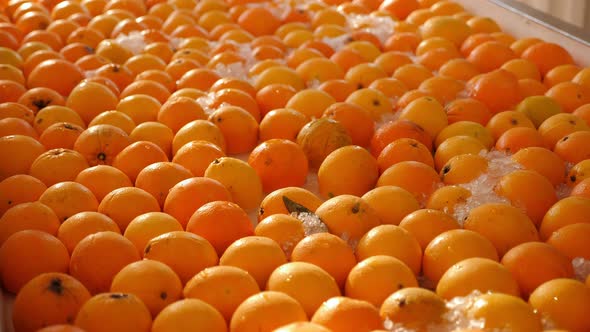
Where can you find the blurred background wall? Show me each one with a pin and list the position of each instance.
(576, 12)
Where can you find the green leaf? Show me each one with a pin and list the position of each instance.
(293, 206)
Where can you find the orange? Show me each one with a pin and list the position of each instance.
(102, 179)
(282, 123)
(404, 149)
(557, 126)
(569, 95)
(23, 246)
(414, 307)
(567, 211)
(320, 137)
(177, 112)
(569, 240)
(221, 223)
(100, 144)
(463, 168)
(310, 102)
(239, 178)
(53, 114)
(197, 155)
(561, 73)
(523, 69)
(198, 130)
(189, 314)
(136, 156)
(266, 311)
(497, 89)
(504, 225)
(94, 249)
(147, 226)
(477, 273)
(341, 314)
(582, 189)
(154, 283)
(58, 165)
(348, 216)
(239, 128)
(21, 151)
(357, 121)
(14, 126)
(59, 75)
(198, 253)
(451, 247)
(82, 224)
(446, 27)
(501, 122)
(39, 98)
(504, 311)
(146, 87)
(189, 195)
(535, 263)
(426, 224)
(357, 179)
(378, 242)
(419, 179)
(18, 189)
(572, 148)
(491, 55)
(16, 110)
(60, 135)
(112, 311)
(459, 69)
(529, 191)
(273, 96)
(327, 251)
(578, 173)
(547, 56)
(517, 138)
(223, 287)
(307, 283)
(158, 178)
(285, 230)
(375, 277)
(416, 112)
(258, 21)
(412, 74)
(447, 198)
(379, 199)
(117, 205)
(115, 118)
(279, 163)
(564, 302)
(373, 100)
(543, 161)
(302, 327)
(399, 8)
(236, 97)
(278, 202)
(467, 109)
(61, 294)
(68, 198)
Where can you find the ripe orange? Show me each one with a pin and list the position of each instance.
(61, 295)
(112, 311)
(18, 189)
(23, 246)
(189, 314)
(223, 287)
(153, 282)
(266, 311)
(279, 163)
(198, 253)
(343, 313)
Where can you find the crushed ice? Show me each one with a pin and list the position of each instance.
(581, 268)
(482, 188)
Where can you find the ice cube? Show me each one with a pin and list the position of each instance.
(134, 41)
(581, 268)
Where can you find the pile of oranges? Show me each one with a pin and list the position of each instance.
(289, 166)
